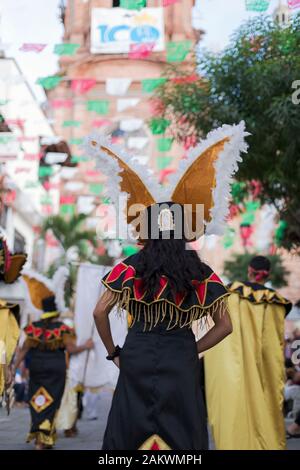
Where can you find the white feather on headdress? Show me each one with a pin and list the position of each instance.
(225, 165)
(44, 287)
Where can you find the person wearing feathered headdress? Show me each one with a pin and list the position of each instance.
(10, 269)
(46, 341)
(158, 402)
(248, 369)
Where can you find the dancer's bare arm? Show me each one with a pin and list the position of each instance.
(101, 312)
(20, 356)
(222, 328)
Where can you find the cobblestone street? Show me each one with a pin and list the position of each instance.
(14, 428)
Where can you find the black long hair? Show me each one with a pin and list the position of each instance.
(169, 257)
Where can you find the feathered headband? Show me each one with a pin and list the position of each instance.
(204, 177)
(39, 287)
(10, 264)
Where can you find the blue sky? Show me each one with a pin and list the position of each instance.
(37, 21)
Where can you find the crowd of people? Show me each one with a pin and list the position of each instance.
(292, 385)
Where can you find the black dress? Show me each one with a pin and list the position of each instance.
(47, 374)
(158, 402)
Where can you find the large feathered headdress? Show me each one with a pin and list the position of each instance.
(41, 291)
(203, 178)
(10, 264)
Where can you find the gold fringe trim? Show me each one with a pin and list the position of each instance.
(42, 438)
(37, 343)
(260, 295)
(157, 311)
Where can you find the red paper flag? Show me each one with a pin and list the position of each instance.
(140, 51)
(47, 210)
(93, 173)
(32, 47)
(293, 4)
(167, 3)
(100, 122)
(61, 103)
(67, 200)
(16, 122)
(8, 198)
(22, 170)
(83, 85)
(32, 156)
(188, 79)
(25, 138)
(48, 185)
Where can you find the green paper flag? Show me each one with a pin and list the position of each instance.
(163, 162)
(46, 200)
(228, 238)
(67, 209)
(105, 200)
(96, 188)
(177, 51)
(66, 49)
(31, 184)
(45, 171)
(252, 206)
(164, 144)
(257, 5)
(6, 138)
(71, 123)
(279, 232)
(99, 106)
(159, 125)
(150, 84)
(76, 141)
(79, 159)
(129, 250)
(132, 4)
(238, 191)
(248, 218)
(49, 82)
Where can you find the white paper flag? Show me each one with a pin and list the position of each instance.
(49, 140)
(117, 86)
(85, 204)
(68, 173)
(55, 157)
(125, 103)
(137, 142)
(142, 159)
(131, 125)
(74, 186)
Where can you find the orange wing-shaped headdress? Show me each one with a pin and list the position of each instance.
(39, 287)
(203, 178)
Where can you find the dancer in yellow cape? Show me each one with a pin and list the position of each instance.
(244, 374)
(10, 269)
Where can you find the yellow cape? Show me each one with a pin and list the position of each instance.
(9, 335)
(244, 375)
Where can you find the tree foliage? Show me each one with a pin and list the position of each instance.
(69, 233)
(236, 269)
(252, 79)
